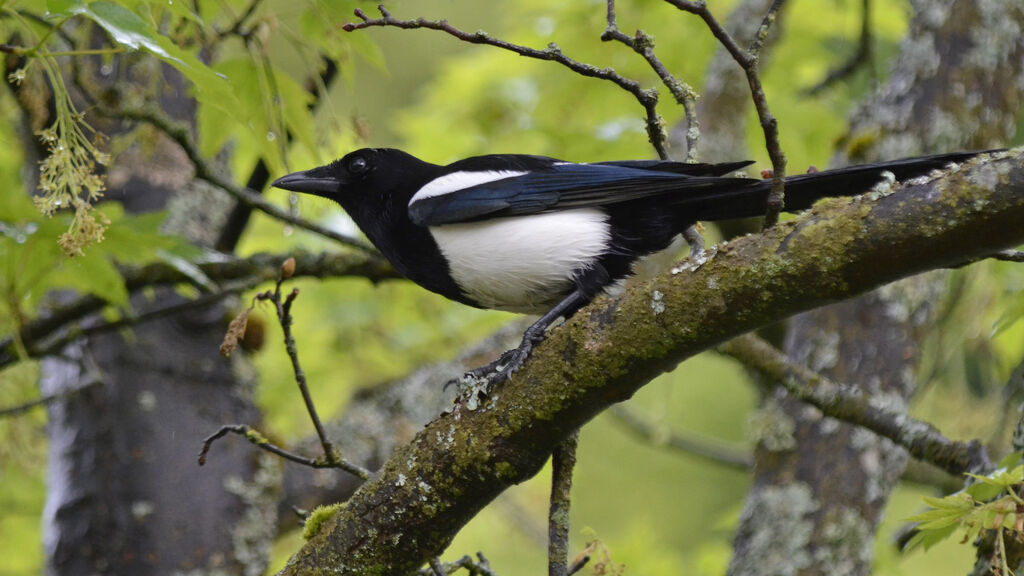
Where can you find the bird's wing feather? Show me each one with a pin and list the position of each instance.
(689, 169)
(561, 186)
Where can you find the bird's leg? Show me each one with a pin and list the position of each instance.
(512, 360)
(694, 239)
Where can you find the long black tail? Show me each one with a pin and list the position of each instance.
(803, 190)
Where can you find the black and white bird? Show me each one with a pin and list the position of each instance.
(537, 235)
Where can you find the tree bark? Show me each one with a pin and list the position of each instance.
(125, 494)
(953, 87)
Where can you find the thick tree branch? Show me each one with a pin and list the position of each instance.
(412, 508)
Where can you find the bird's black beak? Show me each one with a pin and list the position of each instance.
(315, 181)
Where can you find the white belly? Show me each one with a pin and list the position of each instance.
(523, 264)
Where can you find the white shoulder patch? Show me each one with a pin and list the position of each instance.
(461, 180)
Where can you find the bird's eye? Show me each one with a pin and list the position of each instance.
(357, 165)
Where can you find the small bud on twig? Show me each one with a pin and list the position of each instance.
(288, 268)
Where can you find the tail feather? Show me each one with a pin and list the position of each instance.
(803, 190)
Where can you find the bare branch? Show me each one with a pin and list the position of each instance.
(20, 409)
(648, 98)
(748, 60)
(862, 56)
(643, 44)
(849, 404)
(563, 460)
(284, 317)
(260, 441)
(179, 133)
(714, 452)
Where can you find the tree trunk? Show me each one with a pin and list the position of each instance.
(820, 487)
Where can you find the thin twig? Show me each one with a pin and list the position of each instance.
(259, 440)
(648, 98)
(851, 405)
(563, 460)
(331, 457)
(713, 452)
(20, 409)
(865, 48)
(76, 333)
(179, 133)
(643, 44)
(284, 317)
(236, 28)
(748, 60)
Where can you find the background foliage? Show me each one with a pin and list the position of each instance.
(658, 512)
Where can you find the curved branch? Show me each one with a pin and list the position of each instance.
(852, 405)
(412, 508)
(648, 98)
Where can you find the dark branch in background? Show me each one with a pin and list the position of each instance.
(236, 28)
(714, 452)
(647, 98)
(179, 133)
(20, 409)
(849, 404)
(865, 47)
(748, 60)
(690, 445)
(643, 44)
(238, 219)
(283, 308)
(254, 269)
(75, 332)
(563, 460)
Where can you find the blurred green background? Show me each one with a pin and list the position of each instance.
(658, 512)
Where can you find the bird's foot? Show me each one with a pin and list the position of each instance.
(480, 381)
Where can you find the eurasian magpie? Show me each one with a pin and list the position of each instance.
(534, 234)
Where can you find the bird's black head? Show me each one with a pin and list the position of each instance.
(374, 171)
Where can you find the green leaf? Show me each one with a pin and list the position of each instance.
(128, 29)
(929, 538)
(64, 7)
(293, 100)
(1011, 460)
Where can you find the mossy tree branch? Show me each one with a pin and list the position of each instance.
(413, 507)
